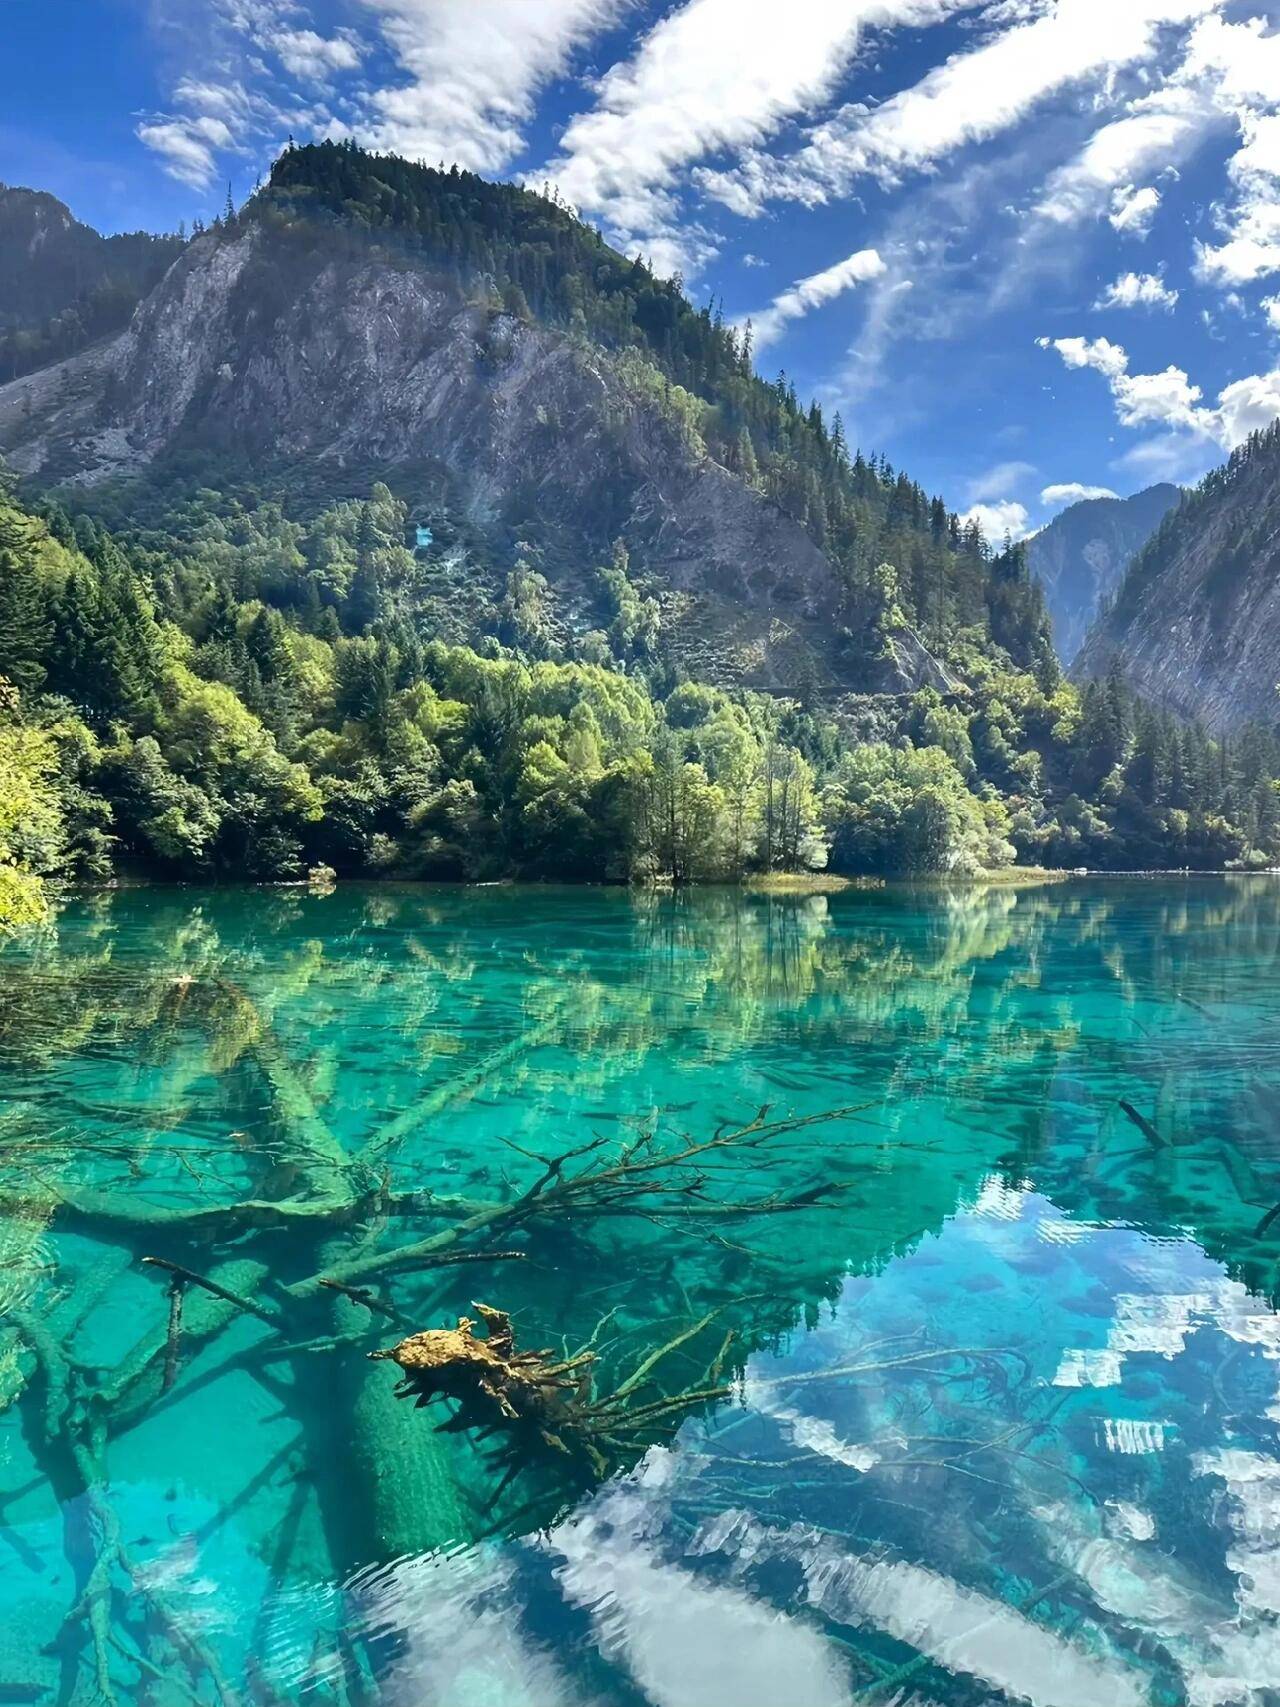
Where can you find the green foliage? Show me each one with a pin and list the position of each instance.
(901, 557)
(907, 810)
(29, 820)
(279, 716)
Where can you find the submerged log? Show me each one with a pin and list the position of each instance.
(409, 1492)
(542, 1406)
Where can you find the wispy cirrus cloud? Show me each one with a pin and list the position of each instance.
(469, 72)
(1156, 131)
(712, 75)
(998, 479)
(315, 58)
(813, 292)
(256, 71)
(969, 99)
(187, 146)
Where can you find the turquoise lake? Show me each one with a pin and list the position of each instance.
(977, 1280)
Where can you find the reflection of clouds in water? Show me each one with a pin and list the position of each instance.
(687, 1641)
(809, 1433)
(447, 1629)
(961, 1629)
(704, 1622)
(1223, 1661)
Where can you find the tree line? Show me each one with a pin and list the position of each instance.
(289, 708)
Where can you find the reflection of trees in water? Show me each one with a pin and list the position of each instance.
(185, 1080)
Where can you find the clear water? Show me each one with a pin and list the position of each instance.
(1004, 1414)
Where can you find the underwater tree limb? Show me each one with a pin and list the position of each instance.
(215, 1287)
(643, 1172)
(463, 1084)
(69, 1426)
(177, 1287)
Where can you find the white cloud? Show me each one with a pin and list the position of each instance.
(1252, 247)
(1170, 401)
(314, 57)
(1247, 405)
(710, 75)
(1100, 353)
(819, 288)
(1243, 61)
(972, 97)
(998, 519)
(1156, 130)
(1165, 399)
(1056, 497)
(1270, 306)
(473, 70)
(997, 479)
(187, 146)
(1137, 290)
(1132, 210)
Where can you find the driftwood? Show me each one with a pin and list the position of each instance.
(539, 1410)
(538, 1402)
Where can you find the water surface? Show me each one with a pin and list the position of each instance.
(1002, 1419)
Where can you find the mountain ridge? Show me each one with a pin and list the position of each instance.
(1079, 558)
(1195, 624)
(318, 326)
(63, 284)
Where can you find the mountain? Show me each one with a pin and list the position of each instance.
(538, 397)
(1080, 557)
(62, 284)
(1196, 622)
(407, 529)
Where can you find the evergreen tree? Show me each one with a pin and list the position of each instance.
(26, 619)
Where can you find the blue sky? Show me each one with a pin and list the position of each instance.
(1029, 248)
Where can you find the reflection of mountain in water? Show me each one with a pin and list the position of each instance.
(166, 1049)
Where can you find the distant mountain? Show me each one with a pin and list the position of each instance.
(1080, 557)
(62, 284)
(535, 392)
(1196, 622)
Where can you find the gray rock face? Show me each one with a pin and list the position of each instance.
(363, 361)
(1196, 624)
(51, 263)
(1081, 556)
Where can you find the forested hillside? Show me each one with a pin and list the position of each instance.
(1196, 621)
(415, 532)
(62, 284)
(287, 711)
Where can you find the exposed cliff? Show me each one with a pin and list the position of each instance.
(63, 284)
(543, 396)
(247, 350)
(1196, 623)
(1081, 556)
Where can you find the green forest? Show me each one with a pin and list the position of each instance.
(285, 713)
(210, 675)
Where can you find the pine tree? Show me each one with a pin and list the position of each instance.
(26, 620)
